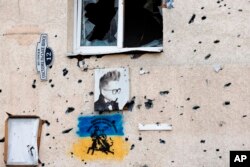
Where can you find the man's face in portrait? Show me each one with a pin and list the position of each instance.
(111, 90)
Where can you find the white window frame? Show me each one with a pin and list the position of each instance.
(98, 50)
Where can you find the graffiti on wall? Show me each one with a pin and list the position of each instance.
(101, 137)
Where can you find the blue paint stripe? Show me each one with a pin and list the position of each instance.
(110, 125)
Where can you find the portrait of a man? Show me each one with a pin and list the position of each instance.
(111, 89)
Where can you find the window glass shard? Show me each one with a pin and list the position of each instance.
(143, 23)
(99, 22)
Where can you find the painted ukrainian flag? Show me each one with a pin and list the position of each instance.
(101, 137)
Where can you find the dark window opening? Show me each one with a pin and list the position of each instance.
(99, 22)
(143, 23)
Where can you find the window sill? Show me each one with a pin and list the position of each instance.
(87, 51)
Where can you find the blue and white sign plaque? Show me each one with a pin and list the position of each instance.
(44, 56)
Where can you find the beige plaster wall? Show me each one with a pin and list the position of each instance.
(180, 70)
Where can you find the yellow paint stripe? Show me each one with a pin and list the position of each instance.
(119, 147)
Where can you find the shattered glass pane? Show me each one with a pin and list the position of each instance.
(143, 23)
(99, 22)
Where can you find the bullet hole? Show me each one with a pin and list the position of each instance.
(218, 1)
(2, 140)
(50, 80)
(217, 150)
(132, 147)
(202, 8)
(50, 66)
(47, 134)
(203, 17)
(169, 41)
(126, 139)
(196, 107)
(226, 103)
(240, 10)
(172, 161)
(228, 13)
(192, 19)
(188, 99)
(34, 84)
(140, 138)
(162, 141)
(149, 104)
(0, 90)
(47, 122)
(238, 46)
(136, 55)
(202, 141)
(79, 81)
(221, 123)
(67, 131)
(244, 116)
(69, 110)
(65, 72)
(52, 85)
(164, 92)
(195, 50)
(181, 114)
(208, 56)
(200, 42)
(172, 31)
(217, 41)
(220, 157)
(227, 85)
(91, 93)
(55, 36)
(139, 106)
(130, 105)
(204, 150)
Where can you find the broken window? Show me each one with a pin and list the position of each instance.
(115, 26)
(99, 23)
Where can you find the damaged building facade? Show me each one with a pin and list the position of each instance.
(133, 84)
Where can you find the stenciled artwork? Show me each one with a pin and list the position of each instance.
(111, 89)
(101, 137)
